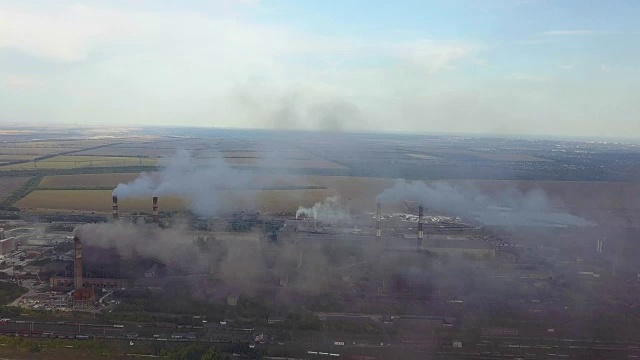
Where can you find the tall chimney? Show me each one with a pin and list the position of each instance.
(155, 209)
(378, 219)
(115, 208)
(77, 264)
(420, 230)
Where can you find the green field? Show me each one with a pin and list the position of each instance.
(71, 162)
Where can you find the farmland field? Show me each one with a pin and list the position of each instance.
(285, 163)
(70, 162)
(33, 151)
(469, 154)
(16, 157)
(8, 184)
(86, 180)
(355, 193)
(100, 200)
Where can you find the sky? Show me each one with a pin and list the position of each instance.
(510, 67)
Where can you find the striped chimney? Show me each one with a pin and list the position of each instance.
(155, 209)
(420, 222)
(78, 281)
(378, 219)
(115, 208)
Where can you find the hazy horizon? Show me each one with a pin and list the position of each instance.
(524, 68)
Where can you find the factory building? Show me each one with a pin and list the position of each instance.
(8, 245)
(303, 225)
(67, 282)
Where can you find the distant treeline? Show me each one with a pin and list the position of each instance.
(17, 194)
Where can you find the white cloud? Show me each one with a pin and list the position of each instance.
(67, 35)
(566, 66)
(19, 82)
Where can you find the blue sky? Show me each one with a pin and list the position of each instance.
(538, 67)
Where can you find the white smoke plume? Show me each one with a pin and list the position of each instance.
(199, 181)
(329, 211)
(509, 207)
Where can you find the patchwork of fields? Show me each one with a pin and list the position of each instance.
(8, 184)
(70, 162)
(92, 192)
(100, 200)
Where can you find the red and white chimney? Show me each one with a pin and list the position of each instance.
(420, 229)
(378, 220)
(155, 209)
(115, 208)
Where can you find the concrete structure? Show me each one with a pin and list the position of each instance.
(378, 219)
(152, 272)
(420, 229)
(83, 298)
(155, 209)
(107, 283)
(275, 319)
(77, 264)
(304, 225)
(115, 208)
(8, 245)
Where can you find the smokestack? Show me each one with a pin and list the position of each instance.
(155, 209)
(115, 208)
(77, 264)
(420, 230)
(378, 219)
(1, 233)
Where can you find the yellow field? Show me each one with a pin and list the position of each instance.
(5, 157)
(87, 180)
(100, 201)
(70, 162)
(356, 192)
(89, 200)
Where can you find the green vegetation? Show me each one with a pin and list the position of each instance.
(19, 193)
(34, 345)
(10, 292)
(9, 311)
(193, 352)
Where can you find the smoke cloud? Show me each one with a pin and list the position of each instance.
(244, 262)
(200, 181)
(509, 207)
(329, 211)
(169, 246)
